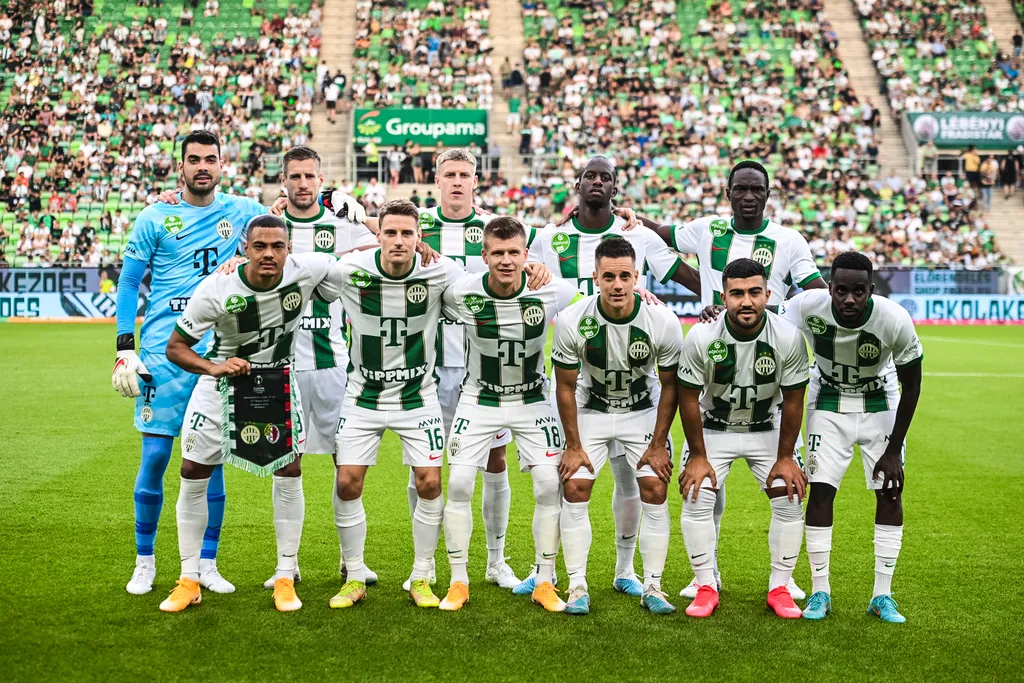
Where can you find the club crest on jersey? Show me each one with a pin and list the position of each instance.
(190, 442)
(589, 327)
(225, 229)
(291, 301)
(765, 366)
(474, 302)
(361, 278)
(763, 255)
(718, 227)
(816, 324)
(639, 350)
(868, 351)
(717, 351)
(533, 315)
(324, 239)
(173, 225)
(272, 433)
(560, 242)
(146, 414)
(235, 304)
(474, 234)
(250, 434)
(416, 294)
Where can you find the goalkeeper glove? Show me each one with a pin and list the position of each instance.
(343, 205)
(128, 368)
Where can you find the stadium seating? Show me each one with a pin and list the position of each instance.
(98, 136)
(938, 60)
(422, 53)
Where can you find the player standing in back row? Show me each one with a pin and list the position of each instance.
(718, 241)
(741, 395)
(181, 244)
(865, 347)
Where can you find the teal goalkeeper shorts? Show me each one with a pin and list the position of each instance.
(160, 409)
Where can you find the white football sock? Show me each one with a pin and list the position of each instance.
(289, 513)
(574, 526)
(785, 534)
(426, 529)
(350, 518)
(545, 521)
(497, 499)
(458, 519)
(192, 516)
(654, 533)
(410, 491)
(888, 541)
(699, 535)
(819, 550)
(719, 511)
(626, 512)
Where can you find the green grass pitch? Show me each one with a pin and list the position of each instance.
(69, 456)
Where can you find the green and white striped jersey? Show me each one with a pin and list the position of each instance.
(462, 241)
(782, 251)
(568, 250)
(393, 326)
(320, 341)
(258, 325)
(506, 335)
(618, 359)
(742, 377)
(854, 367)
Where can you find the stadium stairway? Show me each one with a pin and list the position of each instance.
(1002, 19)
(856, 56)
(506, 29)
(338, 28)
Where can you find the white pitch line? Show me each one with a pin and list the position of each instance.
(975, 374)
(972, 341)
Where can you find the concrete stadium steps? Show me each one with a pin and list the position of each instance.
(506, 32)
(856, 56)
(1003, 21)
(337, 45)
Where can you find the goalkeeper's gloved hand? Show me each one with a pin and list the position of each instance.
(128, 367)
(343, 205)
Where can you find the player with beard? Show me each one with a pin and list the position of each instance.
(180, 244)
(717, 241)
(568, 250)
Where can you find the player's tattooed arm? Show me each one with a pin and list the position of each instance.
(179, 351)
(890, 465)
(573, 457)
(786, 467)
(697, 467)
(657, 454)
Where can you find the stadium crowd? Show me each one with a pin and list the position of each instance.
(939, 57)
(92, 102)
(422, 54)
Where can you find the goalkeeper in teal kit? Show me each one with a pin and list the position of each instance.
(181, 243)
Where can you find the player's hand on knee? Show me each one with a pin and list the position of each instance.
(279, 206)
(890, 468)
(710, 313)
(538, 275)
(169, 196)
(427, 254)
(231, 265)
(343, 205)
(693, 475)
(790, 473)
(232, 367)
(125, 377)
(572, 460)
(647, 297)
(659, 460)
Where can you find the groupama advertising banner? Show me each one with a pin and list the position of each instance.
(426, 127)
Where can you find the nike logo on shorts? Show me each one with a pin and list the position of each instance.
(552, 454)
(434, 457)
(502, 435)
